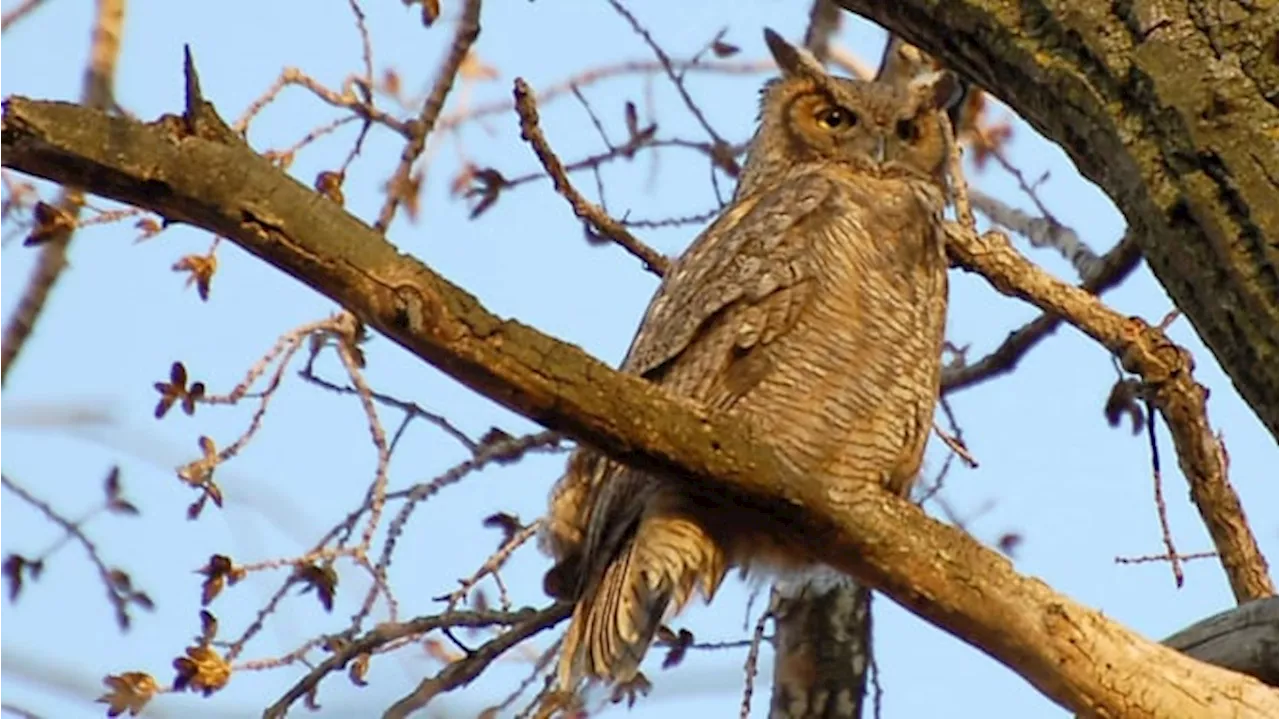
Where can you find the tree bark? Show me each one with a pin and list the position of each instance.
(821, 647)
(1170, 107)
(1074, 655)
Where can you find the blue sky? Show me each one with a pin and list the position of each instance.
(1051, 469)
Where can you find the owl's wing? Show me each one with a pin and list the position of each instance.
(754, 252)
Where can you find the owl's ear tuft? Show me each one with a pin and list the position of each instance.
(937, 90)
(792, 60)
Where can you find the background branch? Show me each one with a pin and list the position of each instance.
(103, 51)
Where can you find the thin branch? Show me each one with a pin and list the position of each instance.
(115, 594)
(23, 9)
(750, 666)
(466, 34)
(1114, 267)
(587, 211)
(412, 410)
(493, 563)
(500, 451)
(524, 623)
(669, 69)
(96, 93)
(347, 99)
(1162, 512)
(624, 152)
(452, 121)
(463, 671)
(1149, 558)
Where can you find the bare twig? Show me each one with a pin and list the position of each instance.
(377, 496)
(587, 211)
(1162, 511)
(669, 69)
(750, 666)
(347, 99)
(466, 34)
(412, 410)
(955, 444)
(524, 623)
(648, 224)
(463, 671)
(96, 93)
(500, 451)
(493, 563)
(539, 667)
(1056, 234)
(456, 119)
(1148, 558)
(366, 45)
(118, 592)
(594, 162)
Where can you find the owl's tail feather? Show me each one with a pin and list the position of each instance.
(615, 620)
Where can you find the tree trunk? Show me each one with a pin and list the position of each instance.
(821, 647)
(1170, 107)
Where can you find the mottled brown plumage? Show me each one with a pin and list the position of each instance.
(813, 309)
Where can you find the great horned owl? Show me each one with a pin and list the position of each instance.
(812, 309)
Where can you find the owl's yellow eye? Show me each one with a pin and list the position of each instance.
(834, 118)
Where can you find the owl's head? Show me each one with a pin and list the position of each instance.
(878, 128)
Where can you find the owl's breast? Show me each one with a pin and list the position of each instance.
(853, 385)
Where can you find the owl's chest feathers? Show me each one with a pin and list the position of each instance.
(854, 383)
(881, 266)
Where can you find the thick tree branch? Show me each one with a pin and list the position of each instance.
(1074, 655)
(1170, 107)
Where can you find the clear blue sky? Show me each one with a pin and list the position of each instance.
(1051, 469)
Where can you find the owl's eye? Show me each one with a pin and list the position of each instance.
(907, 131)
(834, 118)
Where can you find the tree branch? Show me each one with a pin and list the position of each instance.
(104, 50)
(1113, 267)
(1074, 655)
(523, 624)
(1165, 369)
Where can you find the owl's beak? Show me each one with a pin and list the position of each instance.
(880, 149)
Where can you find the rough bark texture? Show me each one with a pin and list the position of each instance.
(1074, 655)
(822, 647)
(1170, 107)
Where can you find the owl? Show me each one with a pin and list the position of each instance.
(811, 309)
